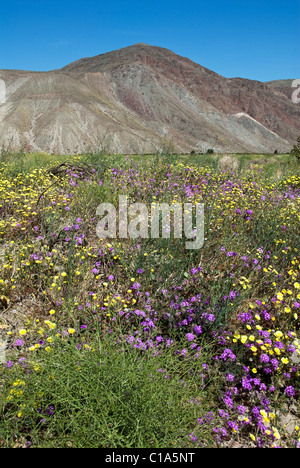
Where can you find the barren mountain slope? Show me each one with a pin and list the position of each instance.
(143, 99)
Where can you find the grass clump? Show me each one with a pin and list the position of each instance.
(105, 396)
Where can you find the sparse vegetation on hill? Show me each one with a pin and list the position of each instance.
(144, 99)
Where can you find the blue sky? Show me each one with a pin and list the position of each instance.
(257, 39)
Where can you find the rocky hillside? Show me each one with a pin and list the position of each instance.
(144, 99)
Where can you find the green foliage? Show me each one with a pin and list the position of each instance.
(296, 150)
(105, 396)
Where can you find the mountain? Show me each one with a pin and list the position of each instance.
(143, 99)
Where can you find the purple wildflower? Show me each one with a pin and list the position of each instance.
(264, 358)
(190, 336)
(197, 329)
(290, 391)
(227, 353)
(19, 343)
(229, 377)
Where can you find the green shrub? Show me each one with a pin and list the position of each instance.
(296, 150)
(107, 396)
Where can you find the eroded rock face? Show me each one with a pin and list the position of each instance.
(2, 92)
(139, 99)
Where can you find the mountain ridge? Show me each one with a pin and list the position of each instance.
(144, 98)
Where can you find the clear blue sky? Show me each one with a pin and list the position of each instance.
(257, 39)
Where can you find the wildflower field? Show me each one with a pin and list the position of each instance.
(140, 343)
